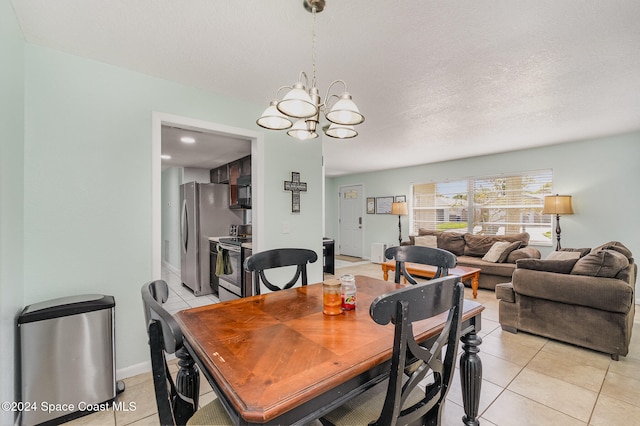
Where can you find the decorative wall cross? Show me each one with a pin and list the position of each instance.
(295, 186)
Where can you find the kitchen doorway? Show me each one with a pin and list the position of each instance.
(257, 172)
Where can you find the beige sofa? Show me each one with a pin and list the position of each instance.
(587, 301)
(470, 250)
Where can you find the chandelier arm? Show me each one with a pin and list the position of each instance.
(306, 78)
(327, 97)
(283, 87)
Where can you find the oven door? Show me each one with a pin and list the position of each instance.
(229, 286)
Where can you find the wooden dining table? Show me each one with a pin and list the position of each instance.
(277, 359)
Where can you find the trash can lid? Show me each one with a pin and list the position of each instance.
(65, 306)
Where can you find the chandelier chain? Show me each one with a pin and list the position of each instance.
(313, 46)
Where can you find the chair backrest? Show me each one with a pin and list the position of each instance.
(442, 259)
(165, 337)
(278, 258)
(403, 307)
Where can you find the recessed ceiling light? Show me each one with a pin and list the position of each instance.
(165, 157)
(187, 139)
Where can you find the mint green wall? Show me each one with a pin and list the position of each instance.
(306, 158)
(283, 158)
(88, 181)
(11, 195)
(600, 174)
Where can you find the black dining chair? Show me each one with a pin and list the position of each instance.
(165, 338)
(399, 400)
(442, 259)
(279, 258)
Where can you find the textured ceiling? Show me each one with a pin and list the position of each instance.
(436, 80)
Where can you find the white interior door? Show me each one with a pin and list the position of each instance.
(351, 210)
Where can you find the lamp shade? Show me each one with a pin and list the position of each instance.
(345, 112)
(340, 132)
(557, 204)
(301, 132)
(273, 119)
(399, 208)
(297, 103)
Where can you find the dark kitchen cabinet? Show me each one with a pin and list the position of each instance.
(220, 174)
(234, 173)
(245, 166)
(240, 183)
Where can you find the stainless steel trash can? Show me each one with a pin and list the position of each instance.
(67, 357)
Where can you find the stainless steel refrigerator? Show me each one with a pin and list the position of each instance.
(204, 213)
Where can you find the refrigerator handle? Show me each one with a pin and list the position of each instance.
(185, 226)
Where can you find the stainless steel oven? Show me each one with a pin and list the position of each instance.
(230, 286)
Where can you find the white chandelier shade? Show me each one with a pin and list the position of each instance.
(301, 132)
(340, 131)
(273, 119)
(345, 111)
(297, 103)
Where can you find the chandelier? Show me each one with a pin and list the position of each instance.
(299, 109)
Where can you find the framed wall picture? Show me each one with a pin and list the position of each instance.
(383, 205)
(401, 199)
(371, 205)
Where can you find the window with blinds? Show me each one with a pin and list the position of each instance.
(440, 206)
(495, 205)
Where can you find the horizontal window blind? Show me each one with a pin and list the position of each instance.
(440, 206)
(495, 205)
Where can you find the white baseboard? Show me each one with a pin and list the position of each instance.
(133, 370)
(171, 268)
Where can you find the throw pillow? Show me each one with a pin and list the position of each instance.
(563, 255)
(557, 266)
(617, 246)
(510, 248)
(427, 241)
(496, 251)
(478, 245)
(602, 263)
(523, 253)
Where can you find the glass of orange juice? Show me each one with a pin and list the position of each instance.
(331, 297)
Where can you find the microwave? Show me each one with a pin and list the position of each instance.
(243, 192)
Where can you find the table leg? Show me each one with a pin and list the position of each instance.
(385, 272)
(474, 284)
(471, 377)
(187, 384)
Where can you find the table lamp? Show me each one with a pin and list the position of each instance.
(399, 208)
(558, 205)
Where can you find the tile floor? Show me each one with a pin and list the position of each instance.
(527, 380)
